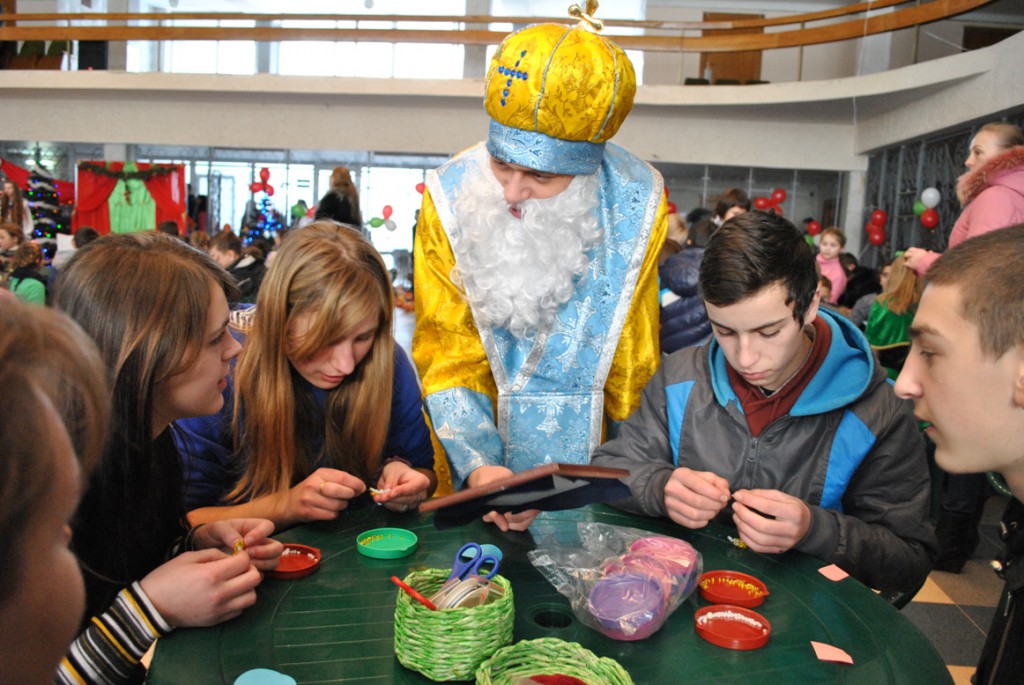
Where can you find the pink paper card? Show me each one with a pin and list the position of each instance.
(826, 652)
(833, 572)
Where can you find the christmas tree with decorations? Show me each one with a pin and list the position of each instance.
(267, 225)
(45, 205)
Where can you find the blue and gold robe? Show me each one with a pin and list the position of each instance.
(494, 399)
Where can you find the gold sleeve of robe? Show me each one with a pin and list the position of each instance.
(639, 352)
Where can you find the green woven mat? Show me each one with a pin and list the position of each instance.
(547, 656)
(449, 644)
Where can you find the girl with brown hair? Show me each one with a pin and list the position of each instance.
(53, 422)
(14, 208)
(325, 403)
(163, 339)
(11, 236)
(25, 280)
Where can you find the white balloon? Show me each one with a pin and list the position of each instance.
(931, 197)
(390, 225)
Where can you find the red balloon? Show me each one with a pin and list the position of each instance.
(929, 218)
(761, 203)
(778, 196)
(264, 174)
(672, 209)
(813, 227)
(387, 212)
(777, 210)
(877, 237)
(879, 217)
(255, 186)
(268, 189)
(420, 187)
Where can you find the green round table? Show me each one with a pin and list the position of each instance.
(337, 625)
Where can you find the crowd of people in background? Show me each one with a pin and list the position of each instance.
(253, 386)
(29, 265)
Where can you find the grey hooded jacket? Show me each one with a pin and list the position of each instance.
(849, 448)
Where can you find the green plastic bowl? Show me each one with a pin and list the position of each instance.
(387, 543)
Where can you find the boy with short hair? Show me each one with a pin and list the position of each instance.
(965, 374)
(824, 289)
(247, 269)
(786, 414)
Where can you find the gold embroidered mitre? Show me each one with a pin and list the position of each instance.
(554, 91)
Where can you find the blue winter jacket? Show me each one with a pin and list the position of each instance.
(684, 320)
(206, 442)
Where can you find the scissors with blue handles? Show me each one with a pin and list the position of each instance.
(475, 560)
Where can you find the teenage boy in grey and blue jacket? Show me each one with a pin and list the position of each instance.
(784, 421)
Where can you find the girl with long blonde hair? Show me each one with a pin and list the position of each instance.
(341, 202)
(888, 324)
(325, 403)
(902, 291)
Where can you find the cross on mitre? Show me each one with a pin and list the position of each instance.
(586, 16)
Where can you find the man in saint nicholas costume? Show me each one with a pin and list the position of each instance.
(535, 265)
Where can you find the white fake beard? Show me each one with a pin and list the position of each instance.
(516, 273)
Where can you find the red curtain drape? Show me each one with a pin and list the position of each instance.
(65, 189)
(16, 174)
(168, 191)
(93, 192)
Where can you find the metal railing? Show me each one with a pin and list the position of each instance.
(857, 20)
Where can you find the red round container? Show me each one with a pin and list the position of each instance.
(732, 627)
(297, 561)
(732, 587)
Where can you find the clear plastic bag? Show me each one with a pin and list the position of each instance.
(622, 582)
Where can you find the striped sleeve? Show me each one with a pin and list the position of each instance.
(109, 650)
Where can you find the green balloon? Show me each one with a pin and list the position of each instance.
(919, 208)
(376, 222)
(809, 239)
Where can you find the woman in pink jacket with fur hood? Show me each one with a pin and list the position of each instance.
(991, 192)
(992, 195)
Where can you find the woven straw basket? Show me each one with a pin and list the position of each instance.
(547, 656)
(449, 644)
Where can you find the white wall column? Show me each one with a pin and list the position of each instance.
(115, 152)
(853, 214)
(266, 52)
(117, 50)
(474, 60)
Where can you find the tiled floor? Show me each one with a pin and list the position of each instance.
(953, 610)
